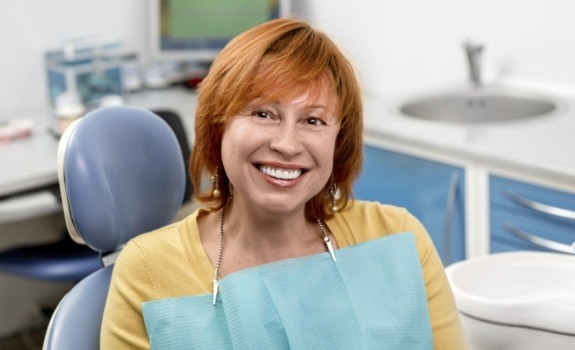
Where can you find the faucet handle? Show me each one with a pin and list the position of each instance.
(473, 47)
(473, 52)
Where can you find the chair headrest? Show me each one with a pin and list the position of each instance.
(121, 173)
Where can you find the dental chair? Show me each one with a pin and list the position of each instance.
(63, 260)
(121, 173)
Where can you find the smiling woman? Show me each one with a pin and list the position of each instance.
(274, 261)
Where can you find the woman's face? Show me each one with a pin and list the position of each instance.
(278, 155)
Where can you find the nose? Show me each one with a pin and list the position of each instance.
(286, 140)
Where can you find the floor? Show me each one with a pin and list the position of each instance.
(25, 340)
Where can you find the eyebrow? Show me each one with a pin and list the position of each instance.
(259, 100)
(306, 107)
(317, 107)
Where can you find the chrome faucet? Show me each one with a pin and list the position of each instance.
(473, 52)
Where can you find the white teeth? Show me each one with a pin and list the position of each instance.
(281, 174)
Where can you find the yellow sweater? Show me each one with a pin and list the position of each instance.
(171, 262)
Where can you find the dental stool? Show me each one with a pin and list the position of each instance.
(57, 260)
(121, 173)
(62, 260)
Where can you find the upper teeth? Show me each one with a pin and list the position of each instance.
(281, 173)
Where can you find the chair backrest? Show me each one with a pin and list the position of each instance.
(121, 173)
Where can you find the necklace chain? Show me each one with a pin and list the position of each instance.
(216, 279)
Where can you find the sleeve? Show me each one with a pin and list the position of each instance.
(123, 324)
(445, 323)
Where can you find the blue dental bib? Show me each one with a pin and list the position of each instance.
(372, 297)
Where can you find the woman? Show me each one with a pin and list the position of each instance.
(275, 260)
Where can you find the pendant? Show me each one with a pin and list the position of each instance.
(329, 247)
(215, 290)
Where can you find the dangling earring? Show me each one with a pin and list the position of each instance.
(215, 184)
(334, 194)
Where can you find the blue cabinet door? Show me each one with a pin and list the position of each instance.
(432, 191)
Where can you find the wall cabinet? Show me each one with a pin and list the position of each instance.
(432, 191)
(529, 217)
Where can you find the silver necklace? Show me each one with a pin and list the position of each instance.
(216, 279)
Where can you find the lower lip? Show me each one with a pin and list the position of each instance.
(279, 183)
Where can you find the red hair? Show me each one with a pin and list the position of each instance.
(283, 57)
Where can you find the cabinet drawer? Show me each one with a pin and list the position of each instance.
(507, 227)
(532, 200)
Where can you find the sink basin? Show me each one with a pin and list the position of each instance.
(479, 105)
(518, 300)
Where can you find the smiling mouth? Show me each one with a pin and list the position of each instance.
(282, 174)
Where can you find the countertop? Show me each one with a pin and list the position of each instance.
(543, 146)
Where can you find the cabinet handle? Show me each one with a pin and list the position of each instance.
(539, 241)
(449, 213)
(540, 207)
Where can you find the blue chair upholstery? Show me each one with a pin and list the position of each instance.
(121, 173)
(62, 260)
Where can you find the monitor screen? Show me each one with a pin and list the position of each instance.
(196, 30)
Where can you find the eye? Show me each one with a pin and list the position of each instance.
(315, 121)
(262, 114)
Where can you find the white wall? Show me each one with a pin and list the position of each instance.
(28, 28)
(401, 46)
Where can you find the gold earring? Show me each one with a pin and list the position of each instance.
(333, 193)
(215, 183)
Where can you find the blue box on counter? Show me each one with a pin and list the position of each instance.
(91, 70)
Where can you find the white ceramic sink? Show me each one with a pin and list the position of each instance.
(479, 105)
(519, 300)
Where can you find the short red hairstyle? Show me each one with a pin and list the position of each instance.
(284, 57)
